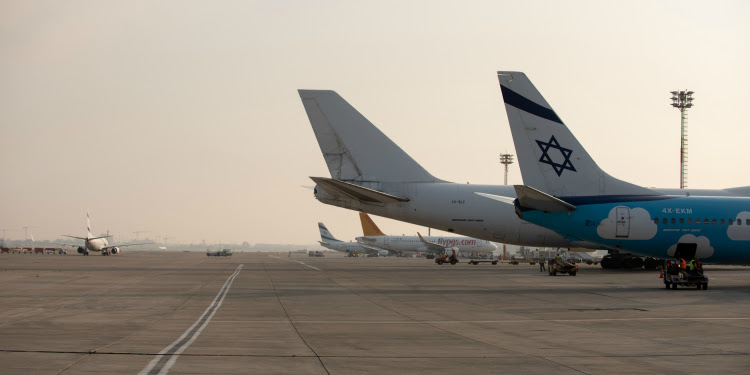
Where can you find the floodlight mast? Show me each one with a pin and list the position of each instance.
(683, 100)
(506, 160)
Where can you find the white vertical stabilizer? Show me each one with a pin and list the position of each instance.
(353, 148)
(325, 234)
(88, 225)
(550, 157)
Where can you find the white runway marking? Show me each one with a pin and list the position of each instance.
(292, 260)
(315, 268)
(167, 357)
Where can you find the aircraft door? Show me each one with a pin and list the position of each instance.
(622, 226)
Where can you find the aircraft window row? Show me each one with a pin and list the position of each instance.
(698, 221)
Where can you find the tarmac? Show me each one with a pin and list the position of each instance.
(269, 313)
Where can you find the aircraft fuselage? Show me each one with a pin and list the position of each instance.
(453, 208)
(716, 228)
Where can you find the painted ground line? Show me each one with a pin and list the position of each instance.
(166, 358)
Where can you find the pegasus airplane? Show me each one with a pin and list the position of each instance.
(375, 239)
(97, 244)
(568, 193)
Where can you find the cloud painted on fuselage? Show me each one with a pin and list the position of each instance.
(641, 225)
(704, 249)
(740, 232)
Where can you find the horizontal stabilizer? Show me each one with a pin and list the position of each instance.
(531, 198)
(499, 198)
(362, 194)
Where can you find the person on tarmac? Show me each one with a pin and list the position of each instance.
(541, 263)
(683, 267)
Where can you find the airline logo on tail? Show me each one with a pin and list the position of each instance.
(326, 235)
(546, 159)
(517, 100)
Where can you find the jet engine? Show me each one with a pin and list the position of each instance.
(115, 250)
(383, 253)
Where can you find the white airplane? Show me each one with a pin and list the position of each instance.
(370, 173)
(97, 244)
(375, 239)
(327, 240)
(565, 190)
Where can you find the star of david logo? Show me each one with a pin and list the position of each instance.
(546, 159)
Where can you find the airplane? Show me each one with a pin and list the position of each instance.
(327, 240)
(375, 239)
(371, 174)
(564, 190)
(97, 244)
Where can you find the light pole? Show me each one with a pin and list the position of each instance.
(506, 160)
(683, 100)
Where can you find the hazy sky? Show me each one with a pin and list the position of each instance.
(183, 118)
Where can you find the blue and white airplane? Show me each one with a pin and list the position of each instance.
(567, 192)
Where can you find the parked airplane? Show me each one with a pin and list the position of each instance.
(376, 240)
(327, 240)
(567, 192)
(97, 244)
(370, 173)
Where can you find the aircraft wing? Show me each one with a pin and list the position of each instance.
(375, 249)
(337, 187)
(431, 246)
(66, 244)
(84, 238)
(130, 244)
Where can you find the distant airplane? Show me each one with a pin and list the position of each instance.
(375, 239)
(327, 240)
(97, 244)
(567, 192)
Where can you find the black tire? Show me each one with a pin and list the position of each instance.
(666, 284)
(705, 286)
(554, 273)
(440, 262)
(453, 261)
(572, 274)
(494, 263)
(674, 286)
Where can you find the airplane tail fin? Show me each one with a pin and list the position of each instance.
(550, 157)
(368, 226)
(325, 235)
(354, 149)
(88, 225)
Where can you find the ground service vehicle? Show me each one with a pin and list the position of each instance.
(477, 261)
(561, 266)
(219, 253)
(449, 257)
(675, 275)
